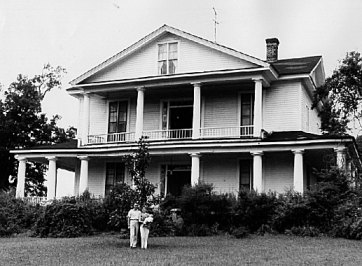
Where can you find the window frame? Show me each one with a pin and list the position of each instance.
(167, 43)
(239, 161)
(113, 165)
(109, 102)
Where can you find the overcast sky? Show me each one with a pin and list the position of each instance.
(78, 34)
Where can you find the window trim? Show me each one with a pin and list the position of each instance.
(169, 100)
(252, 105)
(167, 56)
(105, 173)
(238, 161)
(128, 112)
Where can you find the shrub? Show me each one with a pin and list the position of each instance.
(253, 210)
(240, 232)
(64, 219)
(200, 205)
(304, 231)
(118, 203)
(16, 216)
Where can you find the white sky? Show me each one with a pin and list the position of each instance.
(79, 34)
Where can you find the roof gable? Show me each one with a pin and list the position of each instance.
(101, 72)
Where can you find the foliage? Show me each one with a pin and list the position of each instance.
(22, 125)
(118, 203)
(137, 164)
(202, 207)
(254, 210)
(341, 95)
(16, 216)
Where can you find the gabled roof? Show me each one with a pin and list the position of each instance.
(159, 32)
(304, 65)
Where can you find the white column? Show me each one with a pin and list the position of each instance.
(258, 108)
(85, 119)
(20, 187)
(83, 182)
(298, 176)
(196, 121)
(195, 168)
(76, 179)
(52, 177)
(341, 160)
(139, 112)
(257, 171)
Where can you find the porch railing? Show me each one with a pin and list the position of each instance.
(225, 132)
(211, 132)
(168, 134)
(111, 138)
(36, 200)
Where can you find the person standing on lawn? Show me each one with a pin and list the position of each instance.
(134, 216)
(146, 219)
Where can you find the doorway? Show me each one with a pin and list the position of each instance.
(177, 178)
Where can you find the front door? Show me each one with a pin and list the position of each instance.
(176, 180)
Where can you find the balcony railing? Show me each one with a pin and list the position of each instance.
(227, 132)
(168, 134)
(173, 134)
(111, 138)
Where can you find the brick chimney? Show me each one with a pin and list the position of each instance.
(272, 49)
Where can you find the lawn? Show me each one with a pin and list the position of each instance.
(218, 250)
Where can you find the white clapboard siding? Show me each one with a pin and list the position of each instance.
(192, 57)
(195, 58)
(281, 110)
(98, 116)
(96, 177)
(221, 171)
(151, 116)
(278, 171)
(80, 115)
(310, 120)
(132, 115)
(220, 109)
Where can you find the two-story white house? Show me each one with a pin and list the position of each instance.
(210, 113)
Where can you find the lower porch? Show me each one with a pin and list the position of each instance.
(259, 170)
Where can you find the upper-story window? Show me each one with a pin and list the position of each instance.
(117, 117)
(167, 58)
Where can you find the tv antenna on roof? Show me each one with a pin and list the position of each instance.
(215, 23)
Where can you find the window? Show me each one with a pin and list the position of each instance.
(114, 175)
(167, 58)
(117, 117)
(245, 179)
(247, 109)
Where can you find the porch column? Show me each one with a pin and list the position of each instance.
(52, 177)
(341, 160)
(139, 112)
(196, 121)
(258, 108)
(257, 171)
(83, 180)
(85, 119)
(298, 176)
(20, 186)
(195, 168)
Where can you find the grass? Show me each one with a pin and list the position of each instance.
(218, 250)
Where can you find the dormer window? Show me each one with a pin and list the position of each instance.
(167, 58)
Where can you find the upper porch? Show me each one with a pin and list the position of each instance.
(220, 108)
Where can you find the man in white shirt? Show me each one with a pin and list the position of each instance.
(134, 216)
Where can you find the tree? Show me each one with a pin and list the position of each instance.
(137, 164)
(22, 125)
(341, 96)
